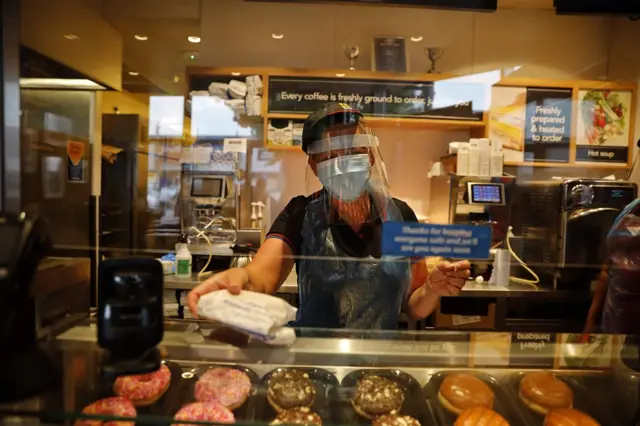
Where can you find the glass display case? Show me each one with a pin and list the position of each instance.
(595, 369)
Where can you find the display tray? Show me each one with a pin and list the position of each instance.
(625, 405)
(414, 402)
(503, 402)
(245, 413)
(180, 392)
(163, 407)
(325, 404)
(583, 387)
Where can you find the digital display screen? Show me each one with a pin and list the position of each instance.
(618, 196)
(207, 187)
(486, 193)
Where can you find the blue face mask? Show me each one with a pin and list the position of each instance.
(345, 177)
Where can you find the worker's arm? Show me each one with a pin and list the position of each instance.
(598, 300)
(265, 274)
(447, 279)
(270, 266)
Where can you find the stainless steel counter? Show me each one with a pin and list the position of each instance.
(173, 282)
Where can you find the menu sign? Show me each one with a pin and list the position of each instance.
(379, 98)
(547, 124)
(603, 126)
(532, 350)
(532, 123)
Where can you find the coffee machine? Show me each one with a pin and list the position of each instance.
(562, 226)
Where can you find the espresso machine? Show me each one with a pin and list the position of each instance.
(562, 226)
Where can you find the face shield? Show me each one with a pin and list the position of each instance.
(346, 161)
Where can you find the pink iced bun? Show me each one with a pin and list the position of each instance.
(144, 389)
(114, 406)
(205, 412)
(226, 386)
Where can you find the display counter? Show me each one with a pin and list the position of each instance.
(483, 306)
(335, 360)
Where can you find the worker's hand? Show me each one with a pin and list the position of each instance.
(449, 278)
(234, 280)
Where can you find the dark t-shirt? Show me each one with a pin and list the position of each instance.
(365, 242)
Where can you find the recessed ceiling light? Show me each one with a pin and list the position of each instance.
(134, 73)
(277, 36)
(416, 39)
(71, 37)
(340, 74)
(235, 74)
(141, 37)
(194, 39)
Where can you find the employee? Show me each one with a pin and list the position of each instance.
(617, 295)
(334, 239)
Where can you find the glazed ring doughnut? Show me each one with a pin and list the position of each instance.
(144, 389)
(228, 387)
(205, 412)
(113, 406)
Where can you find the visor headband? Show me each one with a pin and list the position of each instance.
(341, 142)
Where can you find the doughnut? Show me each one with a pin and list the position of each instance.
(568, 417)
(144, 389)
(290, 388)
(480, 416)
(542, 391)
(205, 412)
(375, 396)
(395, 420)
(228, 387)
(113, 406)
(461, 391)
(298, 416)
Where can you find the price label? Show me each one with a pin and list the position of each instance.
(235, 145)
(532, 350)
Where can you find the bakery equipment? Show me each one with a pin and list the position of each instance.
(562, 225)
(130, 314)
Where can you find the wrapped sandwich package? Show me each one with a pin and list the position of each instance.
(258, 315)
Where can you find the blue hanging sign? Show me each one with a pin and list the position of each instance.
(424, 240)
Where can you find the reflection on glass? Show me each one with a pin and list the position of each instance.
(166, 116)
(211, 117)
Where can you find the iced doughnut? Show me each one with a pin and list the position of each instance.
(297, 416)
(376, 396)
(205, 412)
(290, 388)
(114, 406)
(226, 386)
(144, 389)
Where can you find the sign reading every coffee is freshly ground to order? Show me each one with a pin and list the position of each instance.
(444, 100)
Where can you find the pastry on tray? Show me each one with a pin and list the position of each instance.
(541, 392)
(461, 391)
(290, 388)
(376, 396)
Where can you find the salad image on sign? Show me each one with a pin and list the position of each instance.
(604, 118)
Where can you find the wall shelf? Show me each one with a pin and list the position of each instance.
(477, 125)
